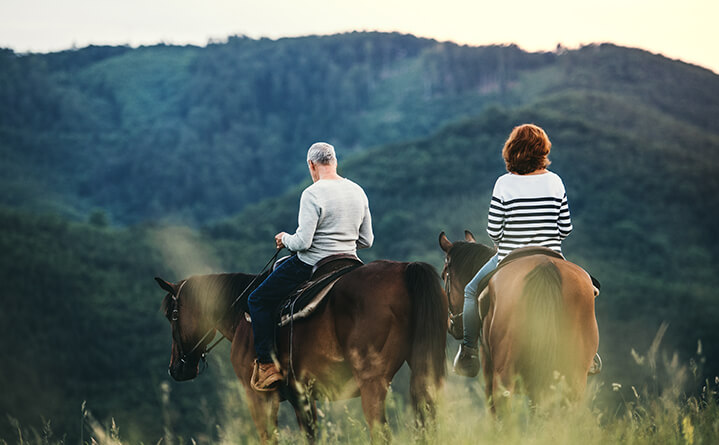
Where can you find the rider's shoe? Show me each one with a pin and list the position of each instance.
(466, 362)
(596, 367)
(265, 377)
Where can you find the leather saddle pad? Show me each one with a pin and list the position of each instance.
(309, 296)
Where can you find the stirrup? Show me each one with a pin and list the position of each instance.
(596, 367)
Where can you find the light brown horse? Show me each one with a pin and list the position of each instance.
(539, 326)
(374, 319)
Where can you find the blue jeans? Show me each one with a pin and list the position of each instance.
(470, 310)
(266, 299)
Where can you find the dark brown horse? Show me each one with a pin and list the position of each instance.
(374, 319)
(539, 325)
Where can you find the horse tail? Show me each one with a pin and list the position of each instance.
(428, 330)
(429, 321)
(540, 353)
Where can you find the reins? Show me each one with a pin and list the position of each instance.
(175, 315)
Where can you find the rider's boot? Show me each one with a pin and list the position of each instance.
(466, 362)
(265, 377)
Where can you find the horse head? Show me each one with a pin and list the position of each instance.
(188, 327)
(462, 261)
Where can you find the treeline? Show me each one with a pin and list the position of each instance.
(194, 134)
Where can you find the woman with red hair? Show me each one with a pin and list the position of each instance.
(528, 208)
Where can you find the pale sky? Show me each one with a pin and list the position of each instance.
(678, 29)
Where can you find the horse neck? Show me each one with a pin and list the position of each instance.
(467, 258)
(223, 309)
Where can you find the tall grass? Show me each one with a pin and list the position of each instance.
(665, 407)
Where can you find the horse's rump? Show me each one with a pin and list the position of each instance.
(545, 307)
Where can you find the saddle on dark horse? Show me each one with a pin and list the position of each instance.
(305, 300)
(309, 296)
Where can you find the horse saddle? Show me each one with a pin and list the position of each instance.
(515, 255)
(308, 296)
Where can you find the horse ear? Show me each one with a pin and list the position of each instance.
(167, 286)
(469, 237)
(444, 242)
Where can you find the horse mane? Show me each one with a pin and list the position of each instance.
(467, 258)
(214, 292)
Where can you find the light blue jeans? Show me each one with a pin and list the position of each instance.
(470, 311)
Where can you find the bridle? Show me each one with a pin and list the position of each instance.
(447, 288)
(177, 335)
(175, 316)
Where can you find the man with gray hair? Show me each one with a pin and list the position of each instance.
(334, 218)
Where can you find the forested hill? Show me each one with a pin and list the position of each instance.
(194, 134)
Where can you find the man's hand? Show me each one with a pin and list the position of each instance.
(278, 240)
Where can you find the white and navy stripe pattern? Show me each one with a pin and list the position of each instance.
(528, 210)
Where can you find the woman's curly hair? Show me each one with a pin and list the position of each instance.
(526, 149)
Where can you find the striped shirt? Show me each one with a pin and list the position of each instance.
(528, 210)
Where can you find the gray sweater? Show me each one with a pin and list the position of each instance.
(334, 218)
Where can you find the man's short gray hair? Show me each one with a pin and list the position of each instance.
(321, 153)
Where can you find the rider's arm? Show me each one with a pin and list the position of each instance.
(307, 219)
(565, 221)
(495, 221)
(366, 236)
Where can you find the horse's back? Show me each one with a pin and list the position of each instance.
(542, 320)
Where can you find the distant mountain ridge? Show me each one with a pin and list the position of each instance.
(194, 134)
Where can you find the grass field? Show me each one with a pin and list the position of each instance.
(671, 405)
